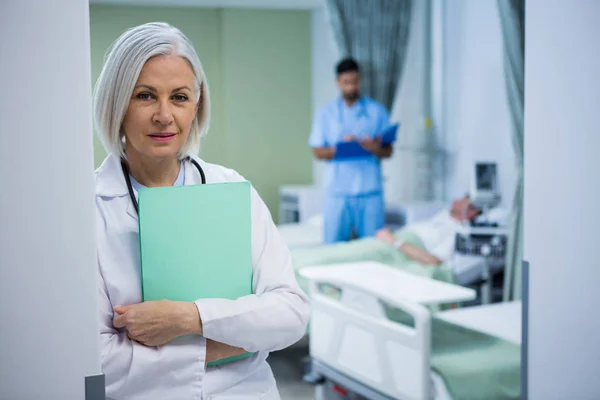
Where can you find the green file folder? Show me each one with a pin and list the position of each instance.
(196, 242)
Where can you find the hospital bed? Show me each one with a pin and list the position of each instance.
(310, 232)
(303, 234)
(478, 256)
(467, 267)
(371, 336)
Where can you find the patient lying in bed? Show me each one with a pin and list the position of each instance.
(418, 246)
(437, 234)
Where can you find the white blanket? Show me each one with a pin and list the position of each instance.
(438, 234)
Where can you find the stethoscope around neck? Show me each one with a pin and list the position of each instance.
(362, 113)
(130, 186)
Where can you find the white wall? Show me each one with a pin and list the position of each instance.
(562, 189)
(476, 120)
(48, 312)
(325, 56)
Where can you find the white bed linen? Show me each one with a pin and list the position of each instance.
(502, 320)
(305, 234)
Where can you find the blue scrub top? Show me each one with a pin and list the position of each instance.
(365, 118)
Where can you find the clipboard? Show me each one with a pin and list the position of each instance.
(346, 151)
(196, 242)
(389, 134)
(350, 151)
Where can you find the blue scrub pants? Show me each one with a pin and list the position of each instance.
(364, 215)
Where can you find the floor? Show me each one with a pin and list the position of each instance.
(288, 370)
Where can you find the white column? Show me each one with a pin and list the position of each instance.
(48, 317)
(562, 189)
(325, 56)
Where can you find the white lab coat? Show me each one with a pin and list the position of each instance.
(273, 318)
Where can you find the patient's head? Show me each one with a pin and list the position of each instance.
(463, 210)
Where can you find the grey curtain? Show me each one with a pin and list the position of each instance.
(512, 19)
(375, 33)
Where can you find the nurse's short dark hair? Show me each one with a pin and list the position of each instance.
(346, 65)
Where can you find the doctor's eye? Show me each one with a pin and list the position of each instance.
(144, 96)
(180, 97)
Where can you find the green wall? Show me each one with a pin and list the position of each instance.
(258, 67)
(267, 90)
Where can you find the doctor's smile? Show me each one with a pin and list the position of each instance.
(162, 136)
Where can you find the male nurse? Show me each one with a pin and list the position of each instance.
(354, 206)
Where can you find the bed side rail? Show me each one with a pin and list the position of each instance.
(380, 342)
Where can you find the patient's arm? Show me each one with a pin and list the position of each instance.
(217, 350)
(411, 251)
(418, 254)
(386, 235)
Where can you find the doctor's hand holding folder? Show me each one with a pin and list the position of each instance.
(199, 249)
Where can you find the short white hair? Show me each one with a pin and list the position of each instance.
(122, 66)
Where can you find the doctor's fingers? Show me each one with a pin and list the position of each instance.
(126, 320)
(130, 320)
(139, 339)
(122, 309)
(149, 339)
(139, 334)
(120, 321)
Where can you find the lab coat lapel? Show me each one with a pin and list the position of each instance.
(192, 175)
(188, 173)
(111, 183)
(131, 211)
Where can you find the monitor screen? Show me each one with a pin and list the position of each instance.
(485, 176)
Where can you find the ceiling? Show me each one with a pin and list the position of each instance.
(273, 4)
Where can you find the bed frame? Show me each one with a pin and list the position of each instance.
(354, 343)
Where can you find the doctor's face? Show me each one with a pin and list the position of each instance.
(161, 109)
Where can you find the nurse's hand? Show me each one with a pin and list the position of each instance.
(154, 323)
(371, 145)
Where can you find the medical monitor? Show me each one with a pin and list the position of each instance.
(484, 185)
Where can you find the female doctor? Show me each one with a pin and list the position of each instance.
(151, 107)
